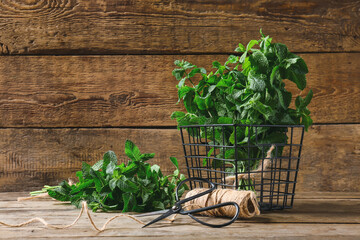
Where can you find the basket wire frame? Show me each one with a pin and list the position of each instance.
(209, 154)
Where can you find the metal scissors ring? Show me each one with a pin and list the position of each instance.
(178, 209)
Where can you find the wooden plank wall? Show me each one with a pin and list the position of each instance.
(78, 77)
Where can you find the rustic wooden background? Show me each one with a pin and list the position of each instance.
(78, 77)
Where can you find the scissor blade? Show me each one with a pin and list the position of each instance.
(151, 213)
(165, 215)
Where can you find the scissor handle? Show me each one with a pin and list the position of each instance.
(212, 188)
(189, 213)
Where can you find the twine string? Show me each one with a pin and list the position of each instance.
(84, 207)
(264, 165)
(246, 200)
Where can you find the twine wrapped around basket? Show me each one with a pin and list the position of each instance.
(264, 165)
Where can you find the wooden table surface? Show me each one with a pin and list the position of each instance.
(314, 216)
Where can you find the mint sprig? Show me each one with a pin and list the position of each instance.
(135, 186)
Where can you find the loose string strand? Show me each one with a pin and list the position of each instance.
(245, 199)
(84, 207)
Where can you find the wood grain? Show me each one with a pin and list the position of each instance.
(331, 160)
(98, 91)
(322, 211)
(31, 158)
(137, 26)
(34, 157)
(311, 218)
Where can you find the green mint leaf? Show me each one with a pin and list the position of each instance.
(298, 78)
(132, 151)
(261, 33)
(184, 64)
(158, 205)
(85, 170)
(113, 184)
(275, 75)
(110, 168)
(57, 195)
(175, 162)
(265, 110)
(189, 102)
(251, 44)
(109, 157)
(225, 120)
(281, 98)
(79, 174)
(243, 58)
(195, 71)
(224, 83)
(177, 114)
(130, 170)
(299, 102)
(200, 102)
(205, 161)
(183, 91)
(281, 51)
(181, 83)
(98, 165)
(178, 73)
(232, 59)
(240, 48)
(216, 64)
(290, 61)
(299, 65)
(229, 154)
(97, 175)
(210, 152)
(147, 156)
(65, 186)
(145, 197)
(98, 185)
(257, 81)
(308, 98)
(259, 62)
(246, 66)
(127, 197)
(296, 72)
(155, 168)
(306, 121)
(177, 63)
(287, 96)
(82, 186)
(126, 185)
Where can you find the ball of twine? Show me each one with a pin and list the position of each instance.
(246, 200)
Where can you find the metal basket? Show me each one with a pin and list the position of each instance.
(234, 156)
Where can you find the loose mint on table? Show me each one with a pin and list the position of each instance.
(135, 186)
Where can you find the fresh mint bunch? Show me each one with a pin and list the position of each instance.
(136, 186)
(247, 89)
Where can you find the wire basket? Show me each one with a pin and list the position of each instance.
(261, 158)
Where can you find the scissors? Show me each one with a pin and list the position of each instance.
(177, 208)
